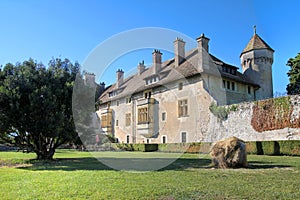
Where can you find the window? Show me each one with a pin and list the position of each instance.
(104, 121)
(147, 95)
(232, 85)
(180, 86)
(118, 103)
(117, 122)
(183, 137)
(249, 90)
(128, 119)
(143, 115)
(182, 108)
(164, 139)
(128, 100)
(234, 72)
(127, 139)
(148, 141)
(223, 68)
(228, 85)
(163, 116)
(152, 80)
(224, 83)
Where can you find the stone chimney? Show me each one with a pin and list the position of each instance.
(141, 68)
(179, 51)
(102, 87)
(156, 57)
(120, 78)
(203, 42)
(203, 53)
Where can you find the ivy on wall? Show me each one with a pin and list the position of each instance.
(272, 114)
(221, 112)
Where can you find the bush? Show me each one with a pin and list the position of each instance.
(274, 147)
(138, 147)
(195, 147)
(290, 147)
(259, 148)
(219, 111)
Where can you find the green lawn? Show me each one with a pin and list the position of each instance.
(78, 175)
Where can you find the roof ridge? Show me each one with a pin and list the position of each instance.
(256, 42)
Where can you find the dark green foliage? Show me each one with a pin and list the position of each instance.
(259, 148)
(195, 147)
(36, 105)
(138, 147)
(288, 147)
(294, 75)
(219, 111)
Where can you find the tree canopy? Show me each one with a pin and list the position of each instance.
(294, 75)
(36, 105)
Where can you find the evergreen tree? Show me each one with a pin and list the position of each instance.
(36, 105)
(294, 75)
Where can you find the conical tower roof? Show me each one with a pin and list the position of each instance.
(256, 43)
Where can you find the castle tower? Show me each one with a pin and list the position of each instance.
(256, 61)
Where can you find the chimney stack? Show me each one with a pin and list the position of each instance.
(141, 68)
(102, 87)
(156, 55)
(179, 51)
(120, 78)
(203, 42)
(203, 55)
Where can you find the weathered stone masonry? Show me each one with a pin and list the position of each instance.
(266, 120)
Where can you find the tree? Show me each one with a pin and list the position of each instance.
(36, 105)
(294, 75)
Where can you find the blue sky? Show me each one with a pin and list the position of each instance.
(72, 29)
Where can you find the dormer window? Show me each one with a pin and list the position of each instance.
(229, 70)
(115, 92)
(112, 94)
(151, 80)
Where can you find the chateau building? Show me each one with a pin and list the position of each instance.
(169, 101)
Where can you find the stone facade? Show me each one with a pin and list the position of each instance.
(238, 124)
(169, 102)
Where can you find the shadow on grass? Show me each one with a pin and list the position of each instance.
(265, 165)
(136, 164)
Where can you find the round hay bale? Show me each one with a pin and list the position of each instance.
(229, 153)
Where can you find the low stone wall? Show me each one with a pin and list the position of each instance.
(268, 120)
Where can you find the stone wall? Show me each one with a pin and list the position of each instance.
(267, 120)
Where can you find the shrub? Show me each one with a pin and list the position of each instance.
(274, 147)
(138, 147)
(219, 111)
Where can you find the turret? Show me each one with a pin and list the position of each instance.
(256, 61)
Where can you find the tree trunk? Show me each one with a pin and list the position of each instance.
(259, 148)
(46, 154)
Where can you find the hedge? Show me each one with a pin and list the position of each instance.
(138, 147)
(289, 147)
(195, 147)
(260, 148)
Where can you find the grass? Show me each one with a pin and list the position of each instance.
(78, 175)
